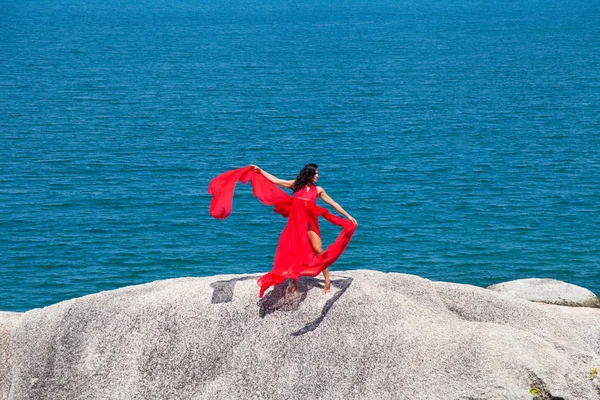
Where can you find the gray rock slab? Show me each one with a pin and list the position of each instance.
(548, 291)
(8, 322)
(376, 335)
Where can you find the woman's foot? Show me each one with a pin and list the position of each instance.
(327, 287)
(292, 287)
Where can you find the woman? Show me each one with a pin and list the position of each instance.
(299, 250)
(305, 193)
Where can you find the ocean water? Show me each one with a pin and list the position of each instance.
(464, 136)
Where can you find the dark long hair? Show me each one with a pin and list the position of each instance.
(305, 177)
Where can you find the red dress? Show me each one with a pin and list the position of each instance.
(295, 256)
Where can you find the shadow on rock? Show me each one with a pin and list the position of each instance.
(279, 300)
(223, 290)
(540, 389)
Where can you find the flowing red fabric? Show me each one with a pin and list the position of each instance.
(294, 256)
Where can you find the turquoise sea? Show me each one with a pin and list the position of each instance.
(464, 136)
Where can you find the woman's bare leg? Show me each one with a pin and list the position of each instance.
(327, 287)
(317, 245)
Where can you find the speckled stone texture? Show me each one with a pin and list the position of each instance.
(8, 321)
(548, 291)
(375, 336)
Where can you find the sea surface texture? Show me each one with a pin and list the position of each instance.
(464, 136)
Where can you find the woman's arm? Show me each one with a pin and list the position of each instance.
(273, 178)
(325, 197)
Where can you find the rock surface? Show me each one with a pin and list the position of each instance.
(8, 321)
(376, 335)
(548, 291)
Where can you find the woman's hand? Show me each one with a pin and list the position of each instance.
(352, 220)
(255, 168)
